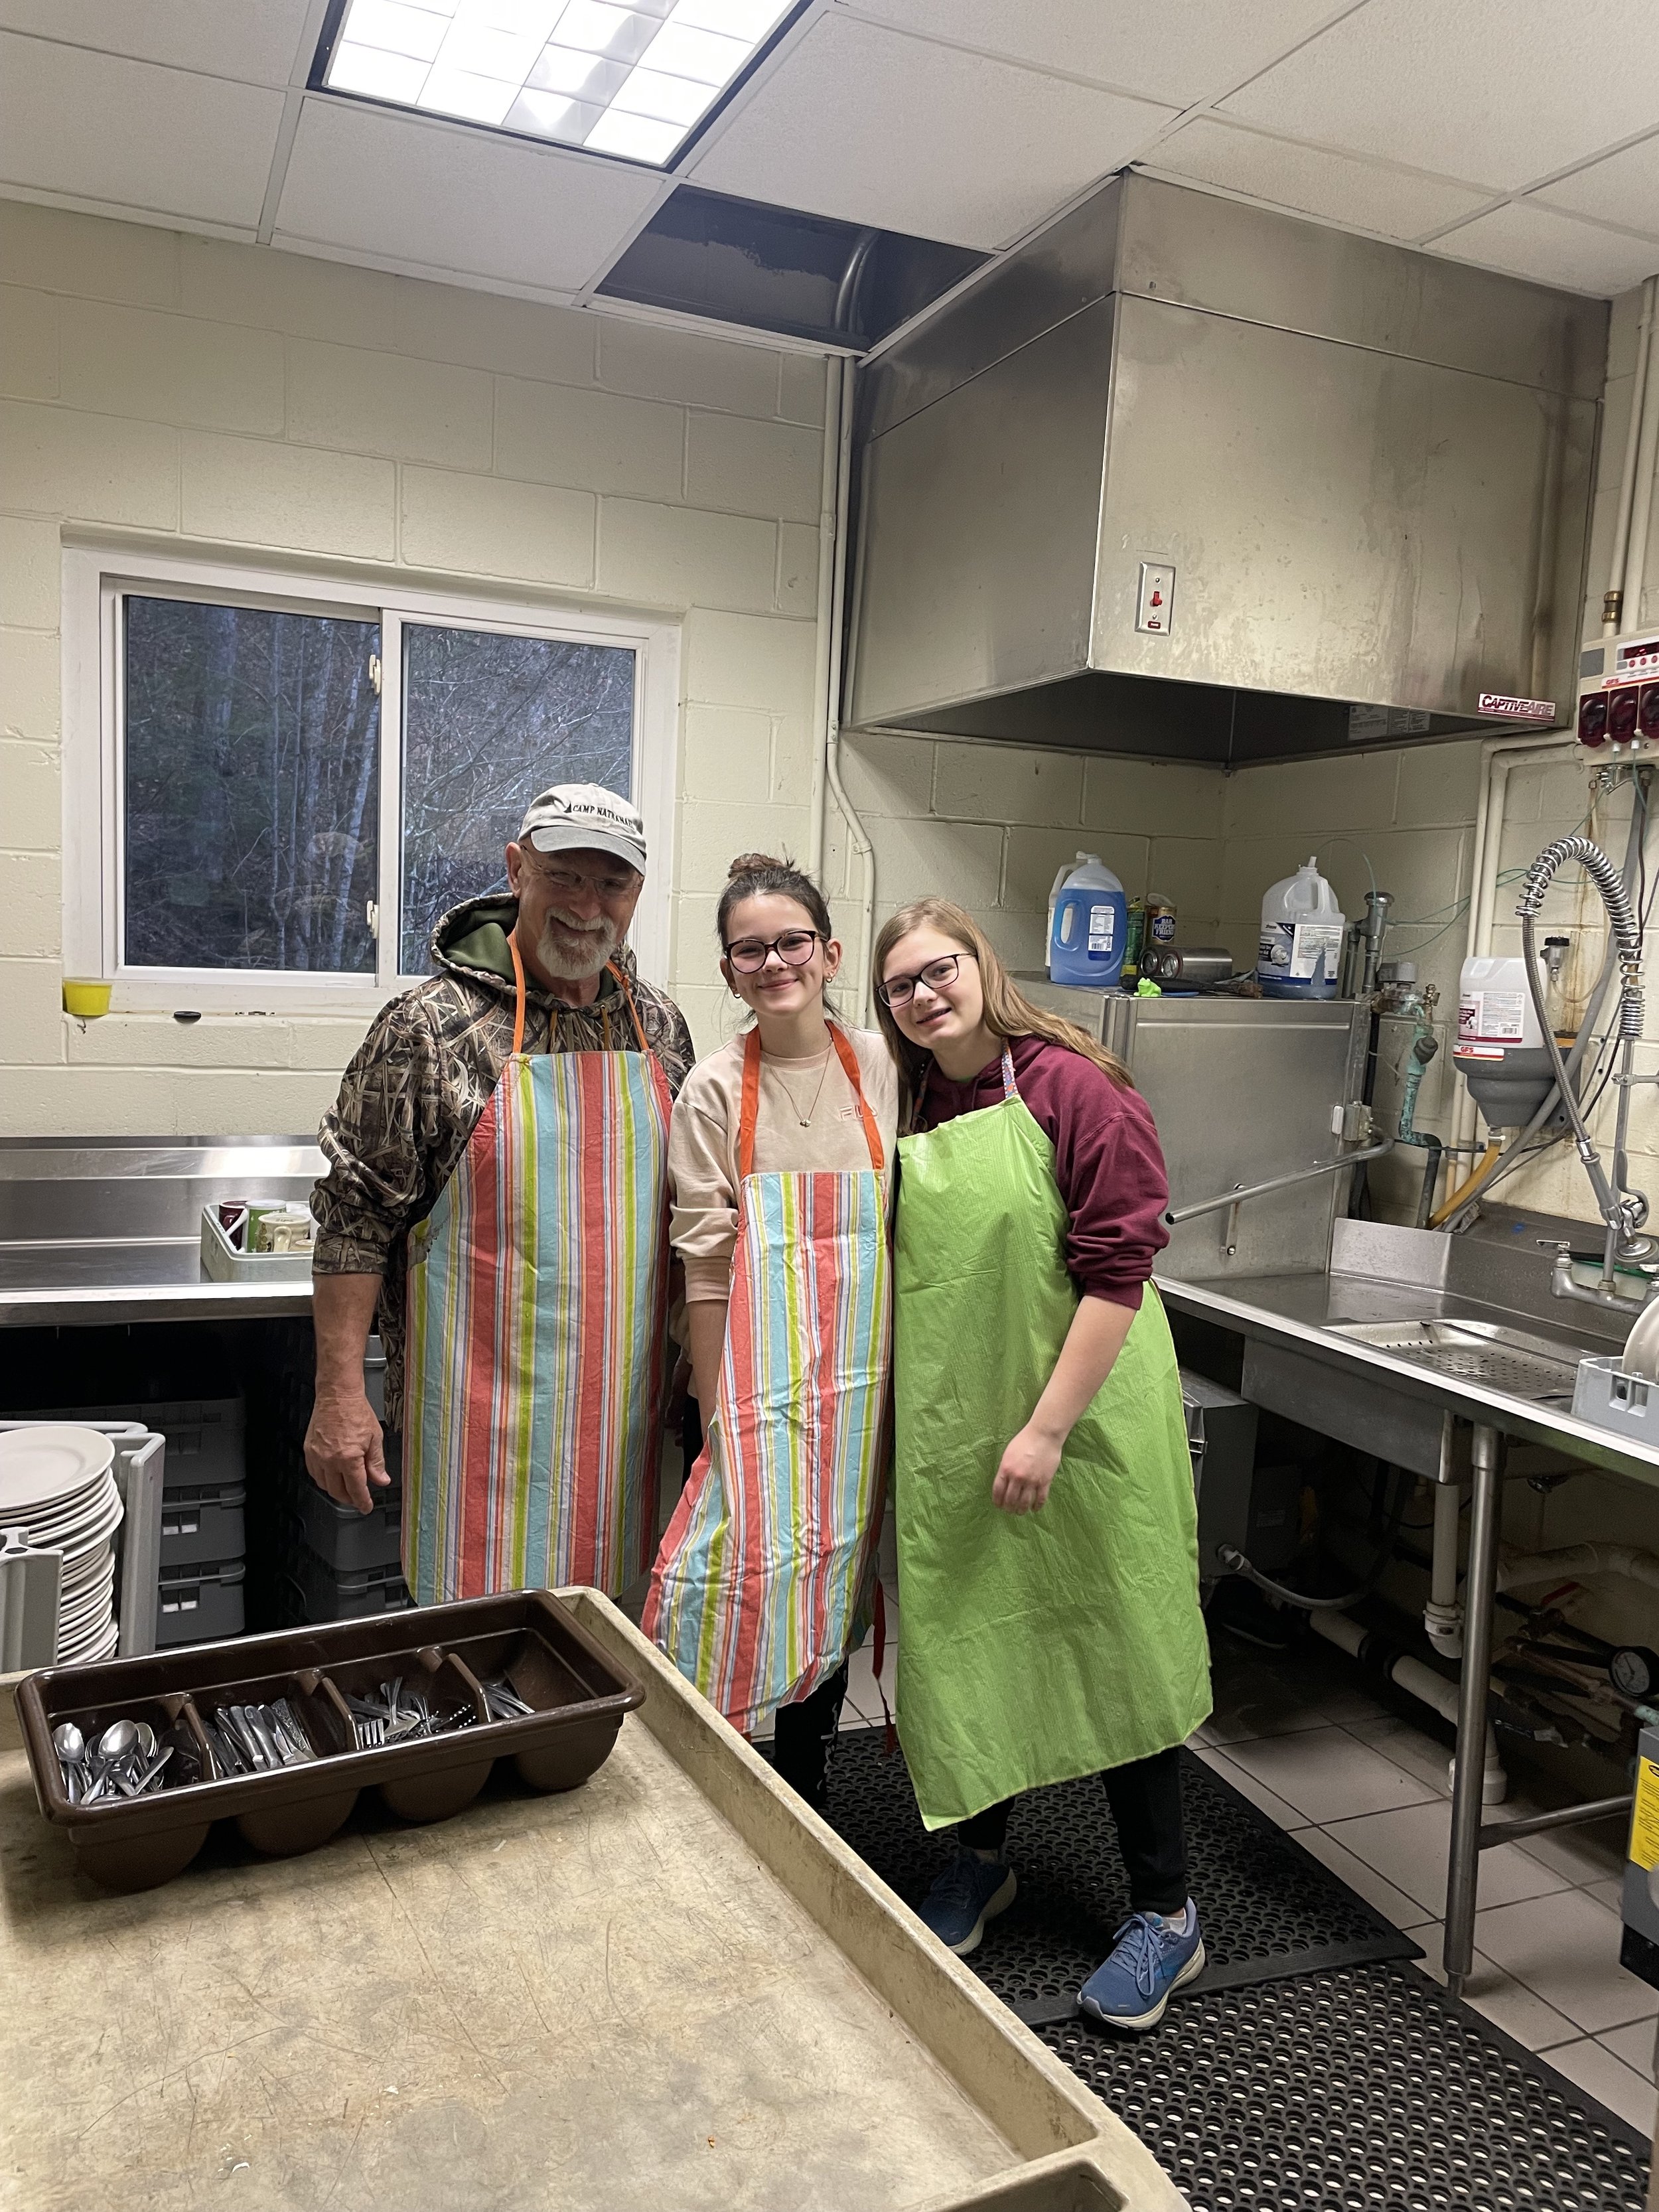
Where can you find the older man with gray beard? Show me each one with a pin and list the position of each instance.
(496, 1201)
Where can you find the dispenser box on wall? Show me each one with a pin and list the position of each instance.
(1619, 693)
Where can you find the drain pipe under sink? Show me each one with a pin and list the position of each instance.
(1417, 1681)
(1443, 1616)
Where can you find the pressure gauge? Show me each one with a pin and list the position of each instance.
(1634, 1671)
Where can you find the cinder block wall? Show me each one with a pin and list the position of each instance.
(198, 394)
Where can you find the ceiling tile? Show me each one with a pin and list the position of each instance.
(871, 126)
(1526, 240)
(257, 40)
(395, 188)
(1496, 91)
(1394, 202)
(1181, 51)
(127, 134)
(1623, 189)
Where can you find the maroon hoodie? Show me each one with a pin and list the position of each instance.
(1108, 1162)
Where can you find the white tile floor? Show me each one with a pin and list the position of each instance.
(1368, 1795)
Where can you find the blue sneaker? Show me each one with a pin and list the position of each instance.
(1151, 1959)
(970, 1890)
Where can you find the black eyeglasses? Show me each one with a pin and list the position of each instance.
(794, 948)
(899, 990)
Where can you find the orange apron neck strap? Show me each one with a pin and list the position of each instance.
(850, 1060)
(611, 968)
(750, 1110)
(518, 987)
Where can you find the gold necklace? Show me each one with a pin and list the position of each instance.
(805, 1119)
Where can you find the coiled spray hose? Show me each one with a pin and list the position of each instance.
(1626, 930)
(1623, 1215)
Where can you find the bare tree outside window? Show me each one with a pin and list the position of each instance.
(489, 720)
(250, 788)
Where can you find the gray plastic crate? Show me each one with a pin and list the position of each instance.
(201, 1604)
(206, 1438)
(1604, 1394)
(349, 1542)
(203, 1520)
(313, 1593)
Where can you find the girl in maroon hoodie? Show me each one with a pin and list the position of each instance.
(1048, 1539)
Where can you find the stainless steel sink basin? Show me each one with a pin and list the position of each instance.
(1541, 1368)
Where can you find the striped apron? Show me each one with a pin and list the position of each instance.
(766, 1577)
(538, 1309)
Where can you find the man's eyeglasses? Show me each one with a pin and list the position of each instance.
(565, 882)
(794, 948)
(899, 990)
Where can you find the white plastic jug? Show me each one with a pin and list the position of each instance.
(1088, 922)
(1494, 1006)
(1302, 932)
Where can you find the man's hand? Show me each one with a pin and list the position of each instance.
(1027, 1472)
(344, 1454)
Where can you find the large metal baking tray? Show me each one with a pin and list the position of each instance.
(673, 1987)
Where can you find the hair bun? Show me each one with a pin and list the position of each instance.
(752, 864)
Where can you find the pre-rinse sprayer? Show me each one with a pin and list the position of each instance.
(1622, 1209)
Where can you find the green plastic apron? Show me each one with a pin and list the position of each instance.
(1032, 1647)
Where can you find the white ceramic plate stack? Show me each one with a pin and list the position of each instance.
(55, 1481)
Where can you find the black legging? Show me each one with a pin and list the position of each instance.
(804, 1736)
(1146, 1801)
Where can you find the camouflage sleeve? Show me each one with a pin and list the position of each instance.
(680, 1053)
(667, 1034)
(381, 1139)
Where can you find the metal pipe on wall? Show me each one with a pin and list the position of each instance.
(844, 371)
(1647, 457)
(823, 670)
(1613, 602)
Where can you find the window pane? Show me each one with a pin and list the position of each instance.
(252, 751)
(488, 722)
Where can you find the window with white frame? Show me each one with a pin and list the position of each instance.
(292, 788)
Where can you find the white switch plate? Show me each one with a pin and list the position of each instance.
(1157, 603)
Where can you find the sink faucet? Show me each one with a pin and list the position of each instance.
(1563, 1286)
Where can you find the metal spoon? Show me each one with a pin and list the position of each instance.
(70, 1746)
(111, 1751)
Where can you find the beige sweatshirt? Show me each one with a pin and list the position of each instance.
(702, 1141)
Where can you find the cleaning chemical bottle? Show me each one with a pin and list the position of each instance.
(1087, 925)
(1302, 933)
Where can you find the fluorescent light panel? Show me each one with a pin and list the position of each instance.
(631, 79)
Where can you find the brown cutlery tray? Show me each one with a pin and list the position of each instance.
(526, 1637)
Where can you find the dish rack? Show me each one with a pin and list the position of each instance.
(30, 1588)
(575, 1695)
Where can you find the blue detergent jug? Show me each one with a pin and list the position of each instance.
(1088, 923)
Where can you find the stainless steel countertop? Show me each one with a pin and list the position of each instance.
(97, 1285)
(1296, 1311)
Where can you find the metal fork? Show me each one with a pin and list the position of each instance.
(370, 1734)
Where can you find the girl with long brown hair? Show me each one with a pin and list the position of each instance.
(1047, 1533)
(778, 1156)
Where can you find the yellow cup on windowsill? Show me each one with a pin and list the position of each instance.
(87, 1000)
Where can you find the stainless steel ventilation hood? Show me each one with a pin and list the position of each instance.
(1369, 469)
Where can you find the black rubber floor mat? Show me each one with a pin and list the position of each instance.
(1269, 1908)
(1366, 2088)
(1309, 2066)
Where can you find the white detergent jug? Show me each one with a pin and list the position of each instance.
(1302, 932)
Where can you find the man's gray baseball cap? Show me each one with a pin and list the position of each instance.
(567, 817)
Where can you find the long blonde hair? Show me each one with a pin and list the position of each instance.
(1008, 1013)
